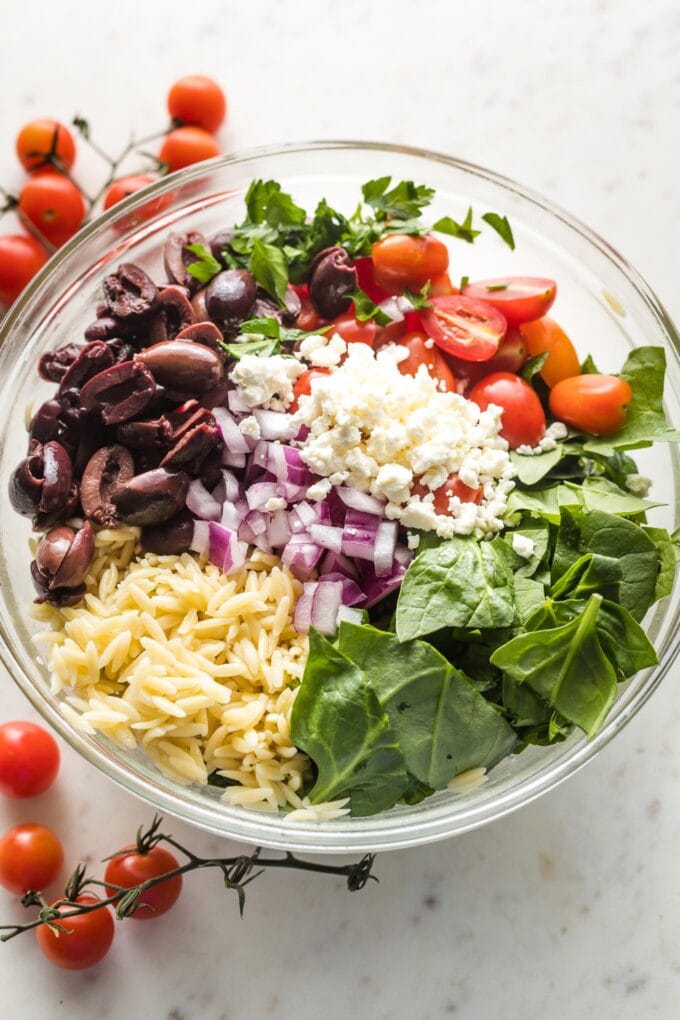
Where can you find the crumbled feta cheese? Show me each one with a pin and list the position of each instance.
(322, 351)
(638, 485)
(266, 382)
(558, 430)
(376, 430)
(429, 343)
(523, 545)
(412, 539)
(319, 490)
(250, 427)
(275, 503)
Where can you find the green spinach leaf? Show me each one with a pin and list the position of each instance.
(669, 557)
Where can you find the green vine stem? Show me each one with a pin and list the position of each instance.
(237, 873)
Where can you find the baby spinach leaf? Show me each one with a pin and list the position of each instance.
(524, 707)
(602, 494)
(337, 720)
(544, 503)
(566, 666)
(669, 557)
(529, 595)
(530, 469)
(460, 583)
(443, 724)
(533, 366)
(589, 573)
(537, 532)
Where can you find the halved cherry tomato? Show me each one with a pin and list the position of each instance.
(391, 334)
(303, 386)
(126, 186)
(20, 259)
(545, 335)
(308, 318)
(451, 487)
(419, 354)
(441, 286)
(42, 138)
(468, 329)
(88, 941)
(595, 404)
(197, 100)
(31, 857)
(519, 298)
(366, 280)
(187, 145)
(353, 331)
(402, 261)
(523, 419)
(509, 357)
(132, 868)
(54, 204)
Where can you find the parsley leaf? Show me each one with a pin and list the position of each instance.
(262, 346)
(206, 267)
(497, 286)
(405, 201)
(268, 265)
(269, 327)
(463, 231)
(502, 227)
(534, 365)
(464, 280)
(365, 309)
(419, 299)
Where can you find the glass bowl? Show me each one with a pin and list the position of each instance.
(603, 304)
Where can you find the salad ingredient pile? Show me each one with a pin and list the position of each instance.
(320, 528)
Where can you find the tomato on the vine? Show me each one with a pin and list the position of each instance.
(42, 138)
(353, 330)
(303, 385)
(20, 259)
(523, 418)
(132, 868)
(519, 298)
(54, 205)
(468, 329)
(31, 857)
(187, 145)
(197, 100)
(451, 487)
(126, 186)
(402, 261)
(88, 940)
(29, 759)
(420, 354)
(596, 404)
(545, 336)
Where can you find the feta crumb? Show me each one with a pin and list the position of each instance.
(319, 490)
(321, 351)
(558, 430)
(523, 545)
(429, 343)
(525, 450)
(266, 382)
(638, 485)
(412, 540)
(275, 503)
(250, 427)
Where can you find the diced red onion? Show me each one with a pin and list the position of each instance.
(260, 493)
(301, 556)
(360, 500)
(291, 493)
(359, 535)
(348, 615)
(336, 563)
(233, 514)
(230, 459)
(390, 306)
(227, 488)
(385, 545)
(403, 555)
(361, 520)
(307, 514)
(352, 594)
(327, 536)
(237, 404)
(278, 529)
(234, 440)
(253, 525)
(325, 605)
(275, 424)
(200, 541)
(376, 588)
(221, 545)
(201, 503)
(259, 457)
(261, 542)
(302, 617)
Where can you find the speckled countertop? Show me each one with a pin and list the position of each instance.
(569, 908)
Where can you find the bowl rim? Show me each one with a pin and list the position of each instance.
(263, 828)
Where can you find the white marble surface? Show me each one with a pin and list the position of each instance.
(569, 908)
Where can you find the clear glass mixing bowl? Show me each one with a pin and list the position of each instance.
(603, 304)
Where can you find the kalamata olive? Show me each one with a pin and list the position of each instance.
(130, 292)
(183, 366)
(45, 423)
(52, 550)
(53, 365)
(142, 435)
(199, 306)
(57, 475)
(152, 497)
(205, 333)
(230, 295)
(121, 349)
(218, 242)
(57, 596)
(119, 393)
(332, 281)
(64, 556)
(105, 328)
(191, 448)
(93, 358)
(265, 307)
(177, 257)
(176, 309)
(171, 538)
(106, 469)
(211, 468)
(217, 396)
(187, 417)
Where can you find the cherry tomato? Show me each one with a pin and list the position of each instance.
(54, 204)
(390, 334)
(308, 319)
(20, 259)
(89, 939)
(133, 868)
(126, 186)
(40, 138)
(441, 286)
(29, 759)
(509, 357)
(419, 354)
(30, 858)
(523, 420)
(367, 282)
(402, 261)
(303, 385)
(519, 298)
(592, 403)
(353, 331)
(545, 335)
(197, 100)
(187, 145)
(451, 487)
(468, 329)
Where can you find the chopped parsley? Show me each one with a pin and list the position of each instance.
(502, 227)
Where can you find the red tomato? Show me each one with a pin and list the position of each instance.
(126, 186)
(471, 330)
(431, 357)
(29, 759)
(441, 286)
(523, 420)
(366, 280)
(451, 487)
(391, 334)
(54, 204)
(41, 138)
(30, 858)
(197, 100)
(187, 145)
(89, 939)
(353, 331)
(562, 361)
(519, 298)
(303, 386)
(20, 259)
(509, 357)
(402, 261)
(308, 319)
(595, 404)
(132, 868)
